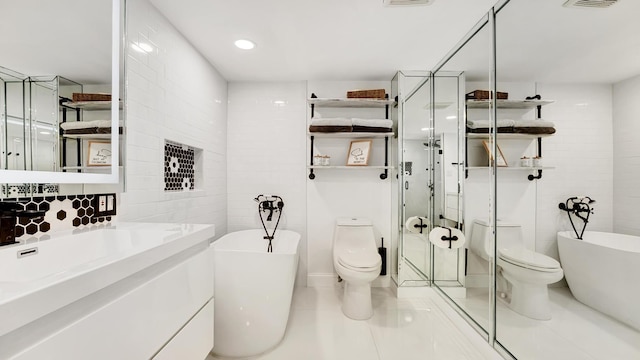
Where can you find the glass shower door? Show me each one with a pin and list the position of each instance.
(415, 185)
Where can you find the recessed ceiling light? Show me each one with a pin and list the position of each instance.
(245, 44)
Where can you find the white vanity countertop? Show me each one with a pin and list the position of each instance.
(70, 265)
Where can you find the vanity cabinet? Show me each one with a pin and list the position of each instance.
(477, 138)
(165, 311)
(315, 102)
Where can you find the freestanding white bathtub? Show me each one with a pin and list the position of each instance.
(253, 290)
(602, 271)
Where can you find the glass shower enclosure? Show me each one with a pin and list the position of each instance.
(430, 165)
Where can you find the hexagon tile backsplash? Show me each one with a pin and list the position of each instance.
(62, 212)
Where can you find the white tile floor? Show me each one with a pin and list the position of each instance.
(576, 332)
(400, 329)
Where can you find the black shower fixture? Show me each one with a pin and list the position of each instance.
(579, 206)
(270, 204)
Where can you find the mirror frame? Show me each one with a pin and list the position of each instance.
(22, 176)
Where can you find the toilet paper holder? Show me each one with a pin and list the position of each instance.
(421, 226)
(449, 238)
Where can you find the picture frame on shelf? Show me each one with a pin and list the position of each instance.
(500, 159)
(359, 152)
(98, 153)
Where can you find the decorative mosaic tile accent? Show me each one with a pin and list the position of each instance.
(16, 190)
(61, 212)
(179, 164)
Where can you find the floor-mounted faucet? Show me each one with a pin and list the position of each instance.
(580, 206)
(9, 213)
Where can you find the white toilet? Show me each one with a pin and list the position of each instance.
(527, 273)
(356, 260)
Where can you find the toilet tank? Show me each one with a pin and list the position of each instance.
(481, 243)
(354, 232)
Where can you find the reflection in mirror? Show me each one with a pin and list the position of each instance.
(414, 128)
(584, 64)
(448, 175)
(463, 186)
(45, 74)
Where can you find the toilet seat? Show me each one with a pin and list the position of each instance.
(529, 259)
(360, 261)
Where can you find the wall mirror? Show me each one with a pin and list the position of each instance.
(584, 63)
(66, 47)
(463, 181)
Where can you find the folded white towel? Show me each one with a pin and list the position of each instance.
(480, 124)
(331, 122)
(383, 123)
(70, 125)
(534, 123)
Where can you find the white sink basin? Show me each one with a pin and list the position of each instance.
(70, 266)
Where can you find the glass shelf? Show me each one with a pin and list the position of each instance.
(350, 103)
(507, 136)
(350, 134)
(90, 105)
(88, 136)
(347, 167)
(513, 168)
(508, 104)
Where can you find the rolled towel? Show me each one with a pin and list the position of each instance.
(381, 123)
(331, 122)
(442, 238)
(534, 123)
(417, 225)
(478, 124)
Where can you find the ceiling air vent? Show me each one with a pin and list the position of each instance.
(589, 3)
(407, 2)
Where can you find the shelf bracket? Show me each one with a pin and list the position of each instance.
(532, 177)
(311, 174)
(386, 158)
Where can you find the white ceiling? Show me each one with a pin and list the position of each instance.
(336, 39)
(322, 39)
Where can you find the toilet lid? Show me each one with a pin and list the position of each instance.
(529, 259)
(360, 259)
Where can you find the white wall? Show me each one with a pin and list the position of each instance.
(344, 193)
(626, 156)
(266, 155)
(581, 152)
(172, 93)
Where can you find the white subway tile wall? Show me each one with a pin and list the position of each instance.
(626, 156)
(581, 152)
(267, 155)
(172, 93)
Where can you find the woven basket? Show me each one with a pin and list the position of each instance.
(91, 97)
(366, 94)
(485, 95)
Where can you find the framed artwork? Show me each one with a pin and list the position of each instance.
(359, 153)
(99, 153)
(500, 160)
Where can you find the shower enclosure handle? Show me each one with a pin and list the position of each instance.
(406, 185)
